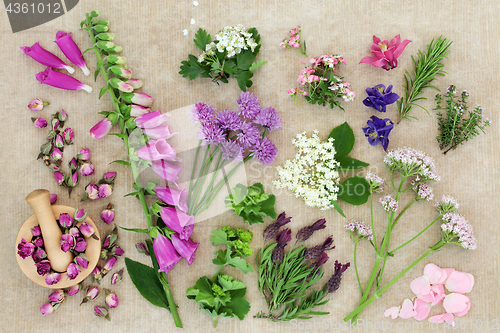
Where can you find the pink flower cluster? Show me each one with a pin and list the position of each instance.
(389, 203)
(446, 204)
(411, 162)
(375, 182)
(294, 39)
(430, 291)
(456, 229)
(424, 192)
(359, 230)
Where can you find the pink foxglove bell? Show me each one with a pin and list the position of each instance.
(173, 197)
(100, 129)
(186, 248)
(165, 253)
(71, 50)
(178, 221)
(45, 57)
(61, 81)
(138, 98)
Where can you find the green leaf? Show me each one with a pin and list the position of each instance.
(344, 140)
(255, 34)
(204, 291)
(219, 238)
(354, 190)
(96, 73)
(241, 264)
(348, 163)
(121, 162)
(141, 231)
(201, 39)
(89, 49)
(337, 208)
(190, 68)
(229, 283)
(120, 135)
(103, 91)
(244, 59)
(244, 80)
(147, 283)
(256, 65)
(238, 306)
(220, 258)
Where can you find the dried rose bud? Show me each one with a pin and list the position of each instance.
(110, 240)
(96, 274)
(141, 248)
(73, 180)
(25, 249)
(55, 123)
(80, 215)
(100, 311)
(47, 309)
(39, 122)
(105, 190)
(104, 254)
(109, 177)
(57, 154)
(80, 244)
(117, 251)
(117, 277)
(67, 242)
(39, 255)
(38, 242)
(53, 198)
(73, 164)
(91, 294)
(65, 220)
(58, 141)
(43, 267)
(53, 167)
(59, 177)
(91, 192)
(82, 261)
(72, 271)
(110, 263)
(83, 154)
(52, 278)
(86, 169)
(87, 229)
(37, 104)
(63, 116)
(35, 231)
(73, 290)
(108, 214)
(111, 299)
(75, 232)
(57, 296)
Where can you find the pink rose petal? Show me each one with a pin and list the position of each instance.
(448, 271)
(407, 309)
(458, 282)
(420, 286)
(422, 309)
(448, 317)
(471, 278)
(435, 274)
(393, 312)
(462, 313)
(454, 302)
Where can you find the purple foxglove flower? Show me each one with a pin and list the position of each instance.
(61, 81)
(248, 105)
(109, 47)
(38, 242)
(71, 50)
(135, 83)
(107, 214)
(73, 290)
(53, 198)
(79, 215)
(39, 255)
(105, 36)
(45, 57)
(59, 141)
(37, 104)
(228, 120)
(57, 154)
(110, 263)
(99, 311)
(109, 177)
(57, 296)
(73, 180)
(86, 169)
(75, 232)
(80, 244)
(59, 177)
(43, 267)
(167, 171)
(172, 197)
(141, 248)
(160, 132)
(67, 242)
(39, 122)
(165, 253)
(117, 251)
(151, 119)
(378, 130)
(379, 97)
(137, 110)
(82, 261)
(269, 118)
(96, 274)
(46, 309)
(116, 278)
(83, 154)
(110, 241)
(100, 129)
(25, 249)
(35, 231)
(92, 191)
(52, 278)
(62, 116)
(178, 221)
(72, 271)
(121, 72)
(264, 150)
(73, 164)
(157, 150)
(120, 85)
(105, 190)
(186, 248)
(65, 220)
(91, 294)
(111, 300)
(138, 98)
(68, 136)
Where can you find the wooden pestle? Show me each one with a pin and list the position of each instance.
(39, 200)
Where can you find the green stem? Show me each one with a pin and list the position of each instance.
(171, 304)
(197, 185)
(356, 267)
(421, 232)
(402, 212)
(373, 224)
(190, 191)
(215, 172)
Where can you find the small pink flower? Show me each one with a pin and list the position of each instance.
(72, 271)
(73, 290)
(53, 198)
(459, 282)
(386, 53)
(421, 309)
(52, 278)
(68, 136)
(156, 150)
(61, 81)
(107, 214)
(112, 300)
(105, 190)
(393, 312)
(59, 177)
(444, 317)
(83, 154)
(137, 110)
(86, 169)
(37, 104)
(57, 296)
(407, 310)
(92, 191)
(87, 229)
(100, 129)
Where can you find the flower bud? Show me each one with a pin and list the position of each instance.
(138, 98)
(73, 290)
(109, 47)
(57, 296)
(46, 148)
(105, 190)
(39, 122)
(137, 110)
(25, 249)
(106, 36)
(82, 261)
(51, 135)
(100, 311)
(72, 271)
(59, 177)
(53, 167)
(117, 277)
(100, 28)
(120, 85)
(39, 255)
(100, 129)
(65, 220)
(73, 164)
(58, 141)
(43, 267)
(135, 83)
(62, 116)
(80, 244)
(121, 72)
(55, 123)
(91, 294)
(35, 231)
(111, 299)
(95, 13)
(83, 154)
(141, 248)
(87, 229)
(68, 136)
(86, 169)
(108, 215)
(37, 104)
(102, 22)
(110, 240)
(73, 180)
(80, 215)
(52, 278)
(113, 118)
(38, 242)
(104, 254)
(117, 60)
(117, 251)
(91, 192)
(109, 177)
(110, 263)
(53, 198)
(75, 232)
(96, 274)
(57, 154)
(67, 242)
(46, 309)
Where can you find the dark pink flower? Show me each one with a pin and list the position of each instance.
(186, 248)
(57, 296)
(67, 242)
(39, 255)
(92, 191)
(72, 271)
(105, 190)
(71, 50)
(386, 54)
(45, 57)
(40, 122)
(100, 129)
(53, 198)
(83, 154)
(157, 150)
(112, 300)
(35, 231)
(43, 267)
(68, 136)
(25, 249)
(178, 221)
(46, 309)
(86, 169)
(73, 290)
(61, 81)
(151, 119)
(80, 244)
(82, 261)
(65, 220)
(52, 278)
(165, 253)
(167, 171)
(173, 196)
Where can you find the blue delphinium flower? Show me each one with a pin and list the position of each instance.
(378, 131)
(379, 97)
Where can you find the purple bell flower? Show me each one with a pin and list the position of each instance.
(71, 50)
(186, 248)
(61, 81)
(378, 130)
(45, 57)
(165, 253)
(167, 171)
(379, 97)
(178, 221)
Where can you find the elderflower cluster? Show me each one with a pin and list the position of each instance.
(232, 40)
(359, 230)
(411, 162)
(312, 175)
(456, 226)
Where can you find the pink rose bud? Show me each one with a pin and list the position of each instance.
(73, 164)
(91, 192)
(141, 248)
(96, 274)
(82, 261)
(80, 215)
(105, 190)
(138, 98)
(58, 141)
(72, 271)
(38, 242)
(53, 198)
(83, 154)
(62, 116)
(107, 214)
(137, 110)
(109, 177)
(46, 309)
(67, 242)
(117, 251)
(37, 104)
(120, 85)
(71, 50)
(39, 255)
(99, 311)
(35, 231)
(52, 278)
(75, 232)
(25, 249)
(68, 136)
(117, 277)
(57, 154)
(39, 122)
(45, 57)
(91, 294)
(100, 129)
(57, 296)
(110, 240)
(61, 81)
(110, 263)
(55, 123)
(86, 169)
(87, 229)
(73, 180)
(104, 254)
(111, 299)
(80, 245)
(65, 220)
(59, 177)
(135, 83)
(43, 267)
(46, 148)
(73, 290)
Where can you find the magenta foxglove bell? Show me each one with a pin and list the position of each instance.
(61, 81)
(160, 132)
(165, 253)
(167, 171)
(186, 248)
(138, 98)
(178, 221)
(71, 50)
(157, 150)
(100, 129)
(151, 119)
(45, 57)
(135, 83)
(173, 197)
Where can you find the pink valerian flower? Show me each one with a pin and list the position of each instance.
(178, 221)
(45, 57)
(186, 248)
(172, 197)
(37, 104)
(446, 204)
(71, 50)
(294, 42)
(100, 129)
(386, 54)
(424, 192)
(456, 229)
(158, 150)
(411, 162)
(165, 253)
(375, 182)
(25, 249)
(39, 122)
(61, 81)
(359, 230)
(389, 203)
(292, 92)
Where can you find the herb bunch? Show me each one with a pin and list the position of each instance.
(454, 127)
(251, 203)
(427, 66)
(224, 296)
(231, 54)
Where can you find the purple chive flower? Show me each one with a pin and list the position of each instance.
(92, 191)
(334, 282)
(151, 119)
(110, 263)
(100, 311)
(43, 267)
(178, 221)
(53, 198)
(46, 309)
(65, 220)
(68, 136)
(57, 296)
(248, 134)
(172, 196)
(283, 237)
(38, 242)
(52, 278)
(264, 150)
(167, 171)
(86, 169)
(25, 249)
(37, 104)
(72, 271)
(61, 81)
(165, 253)
(228, 120)
(211, 133)
(45, 57)
(39, 122)
(379, 97)
(107, 214)
(272, 230)
(35, 231)
(73, 290)
(100, 129)
(80, 244)
(79, 215)
(105, 190)
(306, 232)
(269, 118)
(248, 105)
(67, 242)
(231, 150)
(138, 98)
(59, 177)
(157, 150)
(203, 113)
(137, 110)
(186, 248)
(39, 255)
(111, 299)
(82, 261)
(83, 154)
(116, 277)
(71, 50)
(378, 130)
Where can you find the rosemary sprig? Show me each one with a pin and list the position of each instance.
(427, 66)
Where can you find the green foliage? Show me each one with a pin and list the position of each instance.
(354, 190)
(344, 140)
(454, 128)
(251, 203)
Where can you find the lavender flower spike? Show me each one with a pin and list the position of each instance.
(61, 81)
(306, 232)
(272, 230)
(71, 50)
(334, 282)
(45, 57)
